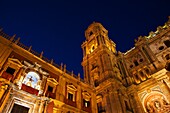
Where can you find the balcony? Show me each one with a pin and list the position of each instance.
(50, 95)
(7, 76)
(70, 102)
(87, 109)
(29, 89)
(101, 110)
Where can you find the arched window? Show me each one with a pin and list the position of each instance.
(136, 63)
(167, 56)
(32, 80)
(96, 83)
(167, 66)
(167, 43)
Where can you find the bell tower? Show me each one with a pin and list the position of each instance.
(98, 54)
(101, 70)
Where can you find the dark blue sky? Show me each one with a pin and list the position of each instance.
(57, 26)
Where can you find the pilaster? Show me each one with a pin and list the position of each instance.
(135, 102)
(79, 98)
(115, 102)
(4, 55)
(62, 88)
(4, 98)
(94, 103)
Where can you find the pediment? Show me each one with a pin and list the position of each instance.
(15, 61)
(86, 95)
(72, 87)
(52, 80)
(99, 96)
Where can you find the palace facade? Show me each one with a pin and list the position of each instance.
(137, 81)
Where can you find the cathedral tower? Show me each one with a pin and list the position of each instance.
(101, 69)
(98, 54)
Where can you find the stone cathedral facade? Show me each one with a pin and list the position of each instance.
(137, 81)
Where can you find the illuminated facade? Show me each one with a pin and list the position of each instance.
(133, 82)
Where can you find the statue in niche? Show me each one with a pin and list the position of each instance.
(160, 105)
(32, 79)
(29, 82)
(166, 106)
(157, 104)
(149, 108)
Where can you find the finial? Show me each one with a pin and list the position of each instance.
(64, 67)
(79, 76)
(72, 73)
(12, 38)
(159, 29)
(29, 49)
(51, 62)
(41, 54)
(17, 40)
(61, 66)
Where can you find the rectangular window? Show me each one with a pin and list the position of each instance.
(96, 83)
(70, 96)
(100, 108)
(10, 70)
(86, 103)
(50, 89)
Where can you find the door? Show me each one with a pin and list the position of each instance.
(19, 109)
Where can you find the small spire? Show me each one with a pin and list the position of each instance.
(29, 49)
(12, 38)
(64, 67)
(41, 55)
(79, 76)
(72, 73)
(17, 40)
(61, 66)
(51, 61)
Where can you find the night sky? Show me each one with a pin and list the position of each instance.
(57, 26)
